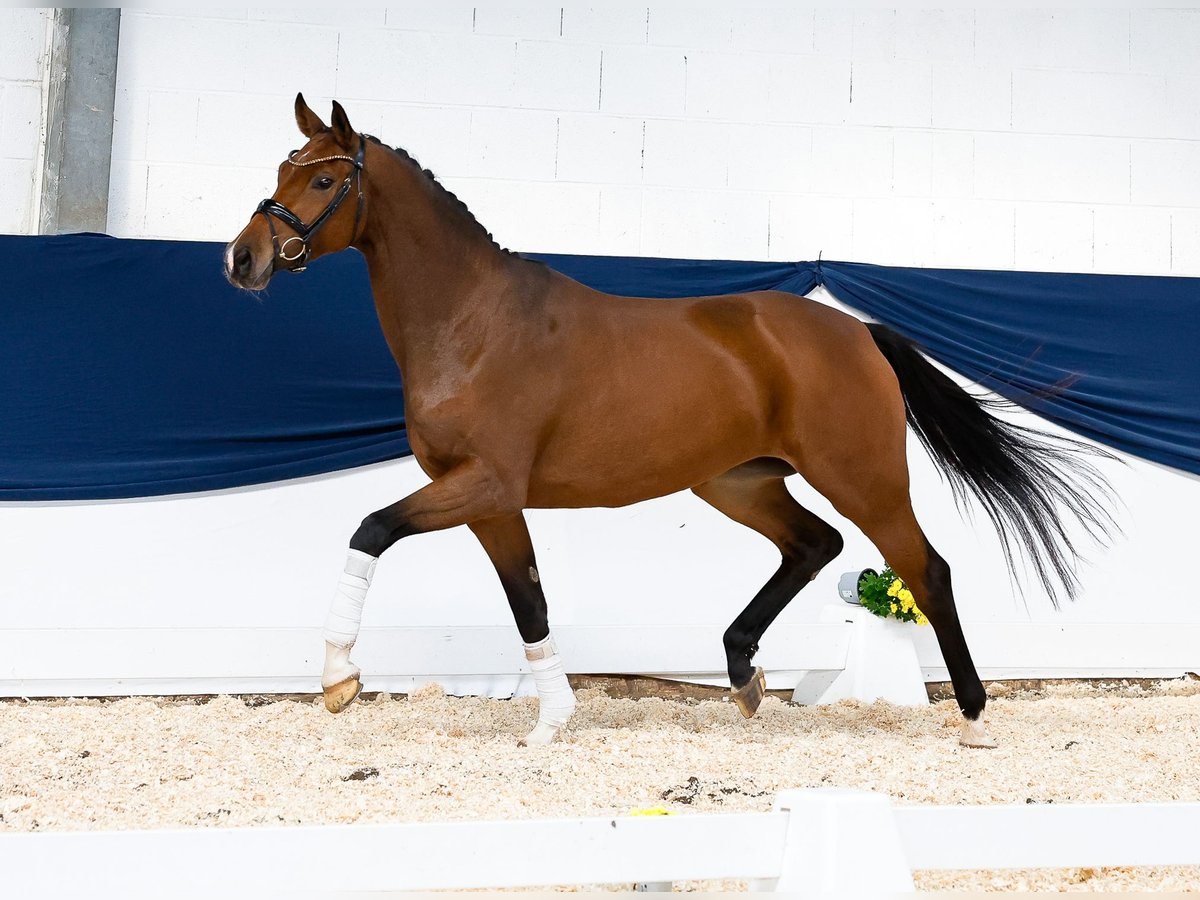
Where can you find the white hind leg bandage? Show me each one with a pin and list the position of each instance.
(345, 616)
(556, 700)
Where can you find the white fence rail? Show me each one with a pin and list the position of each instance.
(812, 842)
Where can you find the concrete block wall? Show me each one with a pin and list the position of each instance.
(1032, 139)
(23, 43)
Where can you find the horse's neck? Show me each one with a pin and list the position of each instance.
(430, 271)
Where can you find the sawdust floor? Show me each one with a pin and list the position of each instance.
(150, 763)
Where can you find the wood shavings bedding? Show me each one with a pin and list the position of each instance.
(158, 763)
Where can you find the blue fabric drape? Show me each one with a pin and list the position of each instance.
(1120, 350)
(130, 368)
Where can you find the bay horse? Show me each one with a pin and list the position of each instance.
(525, 389)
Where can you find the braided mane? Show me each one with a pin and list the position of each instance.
(442, 189)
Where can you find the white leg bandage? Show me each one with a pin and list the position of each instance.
(345, 612)
(345, 617)
(556, 700)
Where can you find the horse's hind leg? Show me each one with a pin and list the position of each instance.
(755, 495)
(882, 509)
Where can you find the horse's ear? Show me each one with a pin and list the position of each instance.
(307, 120)
(342, 132)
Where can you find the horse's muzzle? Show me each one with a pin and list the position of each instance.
(243, 270)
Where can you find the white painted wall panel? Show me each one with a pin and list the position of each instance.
(980, 229)
(599, 148)
(1054, 236)
(529, 19)
(642, 81)
(1164, 40)
(605, 23)
(696, 26)
(811, 227)
(514, 143)
(1185, 242)
(727, 86)
(967, 95)
(682, 153)
(1094, 40)
(1132, 240)
(1100, 103)
(1162, 173)
(891, 92)
(762, 27)
(451, 16)
(557, 76)
(1043, 168)
(23, 57)
(935, 34)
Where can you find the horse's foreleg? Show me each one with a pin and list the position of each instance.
(806, 543)
(464, 494)
(506, 540)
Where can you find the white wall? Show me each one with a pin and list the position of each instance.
(23, 44)
(1057, 141)
(1061, 140)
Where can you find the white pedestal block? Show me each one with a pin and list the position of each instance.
(826, 851)
(881, 663)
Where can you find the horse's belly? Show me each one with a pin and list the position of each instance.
(627, 459)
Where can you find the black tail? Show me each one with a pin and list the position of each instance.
(1023, 478)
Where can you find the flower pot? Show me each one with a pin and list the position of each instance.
(848, 585)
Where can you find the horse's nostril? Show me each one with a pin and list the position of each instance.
(242, 261)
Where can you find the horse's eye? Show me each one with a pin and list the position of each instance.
(323, 183)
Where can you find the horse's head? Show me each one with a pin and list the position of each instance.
(317, 207)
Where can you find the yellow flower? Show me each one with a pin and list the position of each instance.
(893, 608)
(896, 587)
(921, 620)
(906, 600)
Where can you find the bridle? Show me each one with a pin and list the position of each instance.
(272, 209)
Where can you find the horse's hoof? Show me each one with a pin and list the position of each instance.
(750, 694)
(342, 694)
(541, 735)
(975, 735)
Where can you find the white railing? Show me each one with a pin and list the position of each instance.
(815, 841)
